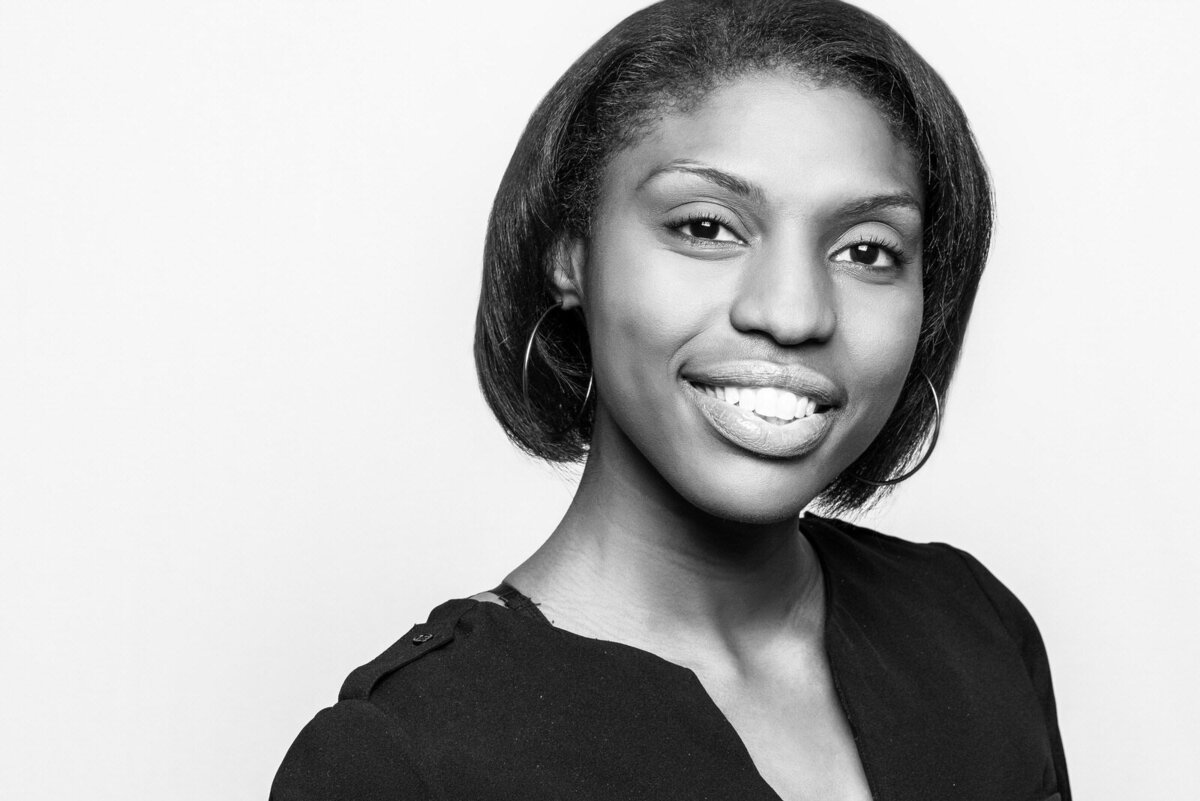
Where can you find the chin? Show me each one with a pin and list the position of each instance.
(759, 494)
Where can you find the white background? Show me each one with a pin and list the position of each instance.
(241, 445)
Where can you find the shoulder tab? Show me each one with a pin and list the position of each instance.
(420, 640)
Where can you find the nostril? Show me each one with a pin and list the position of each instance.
(790, 307)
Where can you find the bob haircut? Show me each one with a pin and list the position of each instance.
(665, 59)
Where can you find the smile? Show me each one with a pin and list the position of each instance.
(775, 405)
(753, 418)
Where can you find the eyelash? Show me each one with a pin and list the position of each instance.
(898, 254)
(901, 257)
(677, 227)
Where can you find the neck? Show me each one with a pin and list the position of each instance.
(633, 561)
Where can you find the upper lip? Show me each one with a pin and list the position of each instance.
(795, 379)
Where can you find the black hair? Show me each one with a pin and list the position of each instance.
(669, 56)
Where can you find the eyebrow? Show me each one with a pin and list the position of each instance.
(725, 180)
(894, 200)
(752, 191)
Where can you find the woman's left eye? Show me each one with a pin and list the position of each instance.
(707, 229)
(868, 254)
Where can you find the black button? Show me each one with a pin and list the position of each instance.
(420, 638)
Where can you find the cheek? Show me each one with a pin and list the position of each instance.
(880, 334)
(642, 303)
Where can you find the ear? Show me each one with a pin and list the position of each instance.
(568, 272)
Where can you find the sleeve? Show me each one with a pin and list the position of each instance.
(1025, 634)
(350, 752)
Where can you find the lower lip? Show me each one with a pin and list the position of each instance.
(751, 432)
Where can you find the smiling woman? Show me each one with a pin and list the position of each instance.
(793, 291)
(730, 266)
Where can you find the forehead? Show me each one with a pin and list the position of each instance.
(797, 141)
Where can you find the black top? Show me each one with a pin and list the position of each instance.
(939, 668)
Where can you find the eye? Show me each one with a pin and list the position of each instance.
(870, 254)
(707, 229)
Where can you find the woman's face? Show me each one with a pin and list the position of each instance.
(752, 290)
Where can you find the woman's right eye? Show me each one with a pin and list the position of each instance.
(706, 228)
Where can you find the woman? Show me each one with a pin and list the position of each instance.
(731, 263)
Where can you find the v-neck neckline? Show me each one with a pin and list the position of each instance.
(527, 608)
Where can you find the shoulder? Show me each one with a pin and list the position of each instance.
(847, 550)
(933, 574)
(350, 751)
(865, 544)
(419, 642)
(929, 622)
(361, 747)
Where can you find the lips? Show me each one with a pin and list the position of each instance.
(770, 410)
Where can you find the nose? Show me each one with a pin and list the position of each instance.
(787, 296)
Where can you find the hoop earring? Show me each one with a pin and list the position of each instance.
(937, 427)
(525, 374)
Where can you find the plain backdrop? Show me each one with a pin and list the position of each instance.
(241, 445)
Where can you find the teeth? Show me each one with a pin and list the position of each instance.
(765, 401)
(785, 405)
